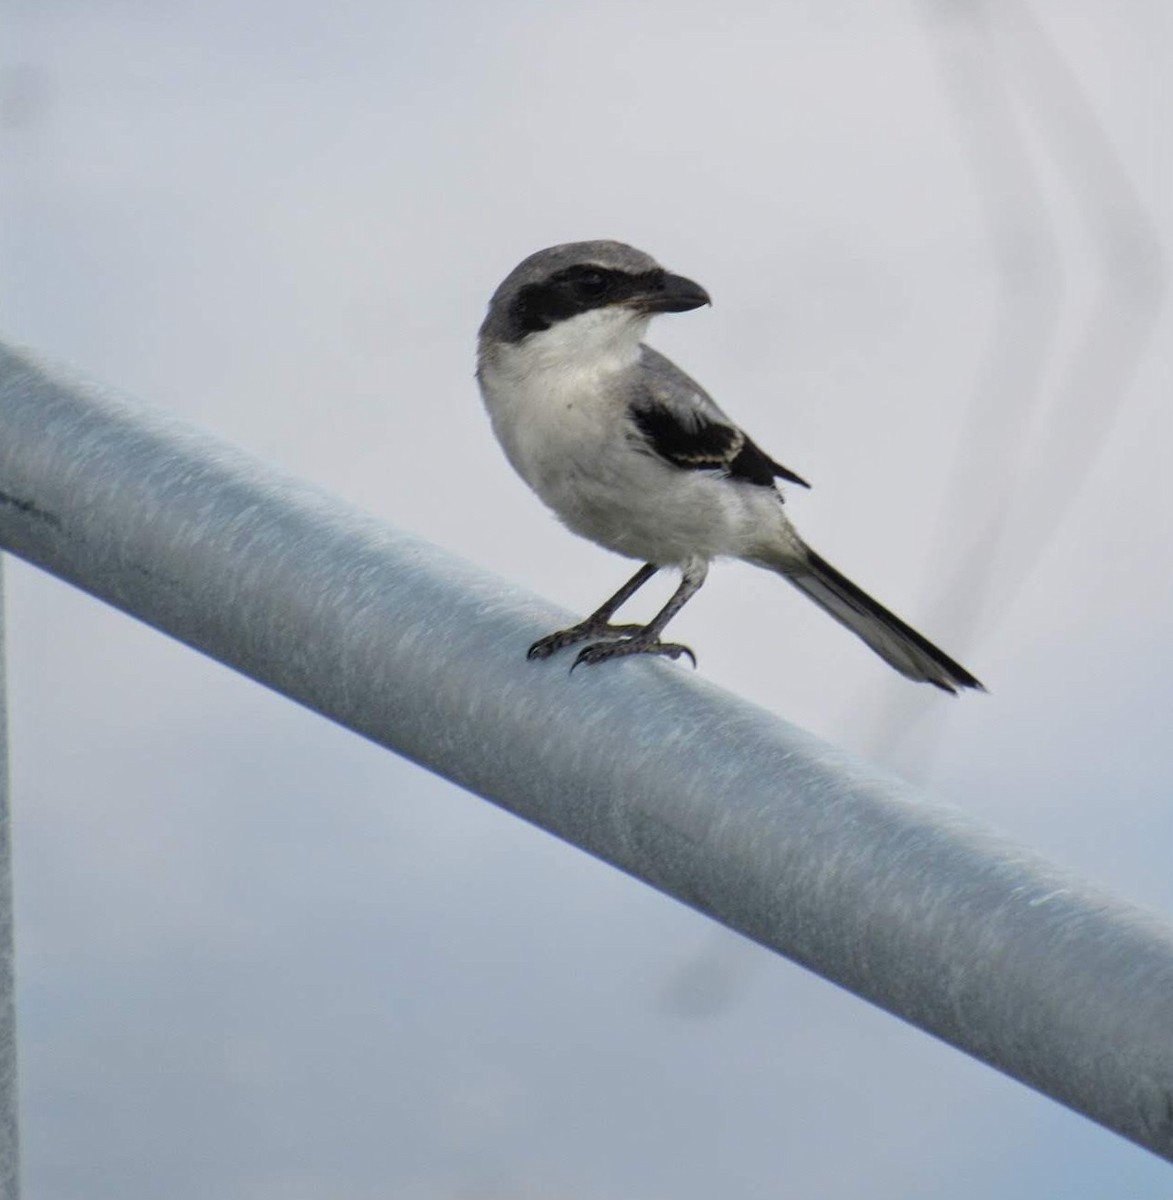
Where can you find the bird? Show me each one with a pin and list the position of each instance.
(632, 454)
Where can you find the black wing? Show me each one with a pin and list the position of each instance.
(684, 426)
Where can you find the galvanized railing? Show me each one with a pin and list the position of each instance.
(647, 766)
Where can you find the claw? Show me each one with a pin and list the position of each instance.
(554, 642)
(601, 651)
(542, 648)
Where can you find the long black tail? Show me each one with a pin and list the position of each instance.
(895, 642)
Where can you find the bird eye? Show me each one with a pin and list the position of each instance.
(591, 284)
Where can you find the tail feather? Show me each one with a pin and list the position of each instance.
(896, 643)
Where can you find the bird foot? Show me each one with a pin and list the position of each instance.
(554, 642)
(602, 651)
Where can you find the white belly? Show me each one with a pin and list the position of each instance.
(571, 440)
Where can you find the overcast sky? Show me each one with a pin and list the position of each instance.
(259, 958)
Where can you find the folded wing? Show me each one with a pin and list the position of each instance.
(682, 424)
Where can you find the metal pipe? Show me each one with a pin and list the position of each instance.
(9, 1097)
(645, 765)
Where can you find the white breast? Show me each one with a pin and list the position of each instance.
(559, 406)
(556, 399)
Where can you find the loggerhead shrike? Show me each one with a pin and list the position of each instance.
(629, 452)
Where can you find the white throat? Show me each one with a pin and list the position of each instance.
(595, 343)
(555, 398)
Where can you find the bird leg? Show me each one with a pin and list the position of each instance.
(597, 624)
(646, 640)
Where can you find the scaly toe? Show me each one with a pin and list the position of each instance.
(554, 642)
(602, 651)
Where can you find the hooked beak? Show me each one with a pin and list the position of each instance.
(673, 294)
